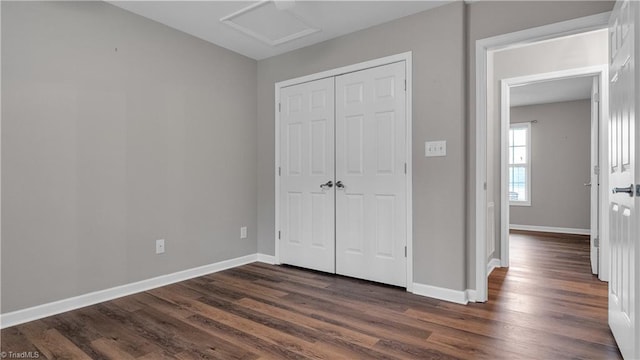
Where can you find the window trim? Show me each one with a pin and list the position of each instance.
(527, 165)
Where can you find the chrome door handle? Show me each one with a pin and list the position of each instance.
(339, 185)
(327, 185)
(587, 184)
(627, 190)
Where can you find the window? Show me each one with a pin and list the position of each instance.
(520, 164)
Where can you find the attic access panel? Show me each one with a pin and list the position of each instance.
(265, 22)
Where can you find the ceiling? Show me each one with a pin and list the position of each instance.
(551, 91)
(265, 28)
(261, 29)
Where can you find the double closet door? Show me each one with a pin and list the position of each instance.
(343, 188)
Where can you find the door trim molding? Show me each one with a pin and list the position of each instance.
(407, 58)
(483, 46)
(602, 72)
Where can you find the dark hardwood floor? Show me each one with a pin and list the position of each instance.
(547, 305)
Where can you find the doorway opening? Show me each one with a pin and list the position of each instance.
(487, 154)
(554, 133)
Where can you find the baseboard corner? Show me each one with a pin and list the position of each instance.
(267, 259)
(492, 265)
(454, 296)
(471, 295)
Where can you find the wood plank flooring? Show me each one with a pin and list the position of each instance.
(547, 305)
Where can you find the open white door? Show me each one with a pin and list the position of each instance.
(623, 201)
(307, 197)
(594, 180)
(371, 230)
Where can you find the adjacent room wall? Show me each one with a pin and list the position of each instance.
(117, 131)
(492, 18)
(436, 38)
(560, 162)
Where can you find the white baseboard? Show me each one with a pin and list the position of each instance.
(60, 306)
(550, 229)
(267, 259)
(493, 263)
(455, 296)
(53, 308)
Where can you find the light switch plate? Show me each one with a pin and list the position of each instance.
(435, 148)
(243, 232)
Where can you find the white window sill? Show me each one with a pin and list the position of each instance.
(520, 203)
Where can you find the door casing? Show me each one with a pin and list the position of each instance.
(483, 46)
(407, 58)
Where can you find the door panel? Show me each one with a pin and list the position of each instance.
(370, 161)
(307, 224)
(384, 222)
(354, 151)
(624, 236)
(385, 123)
(353, 232)
(319, 149)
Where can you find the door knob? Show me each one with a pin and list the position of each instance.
(327, 185)
(339, 185)
(587, 184)
(628, 190)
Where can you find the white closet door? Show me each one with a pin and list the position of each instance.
(370, 164)
(307, 237)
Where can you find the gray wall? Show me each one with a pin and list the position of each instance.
(105, 150)
(444, 188)
(560, 162)
(493, 18)
(436, 38)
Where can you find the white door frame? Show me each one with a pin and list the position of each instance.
(483, 46)
(602, 72)
(406, 57)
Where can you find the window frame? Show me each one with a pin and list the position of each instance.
(527, 165)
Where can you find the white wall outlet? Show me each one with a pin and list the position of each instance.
(435, 148)
(160, 246)
(243, 232)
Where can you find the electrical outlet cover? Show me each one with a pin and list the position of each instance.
(160, 246)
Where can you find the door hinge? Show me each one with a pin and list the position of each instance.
(485, 185)
(596, 97)
(405, 168)
(638, 190)
(405, 251)
(596, 170)
(278, 234)
(596, 242)
(279, 171)
(405, 84)
(279, 107)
